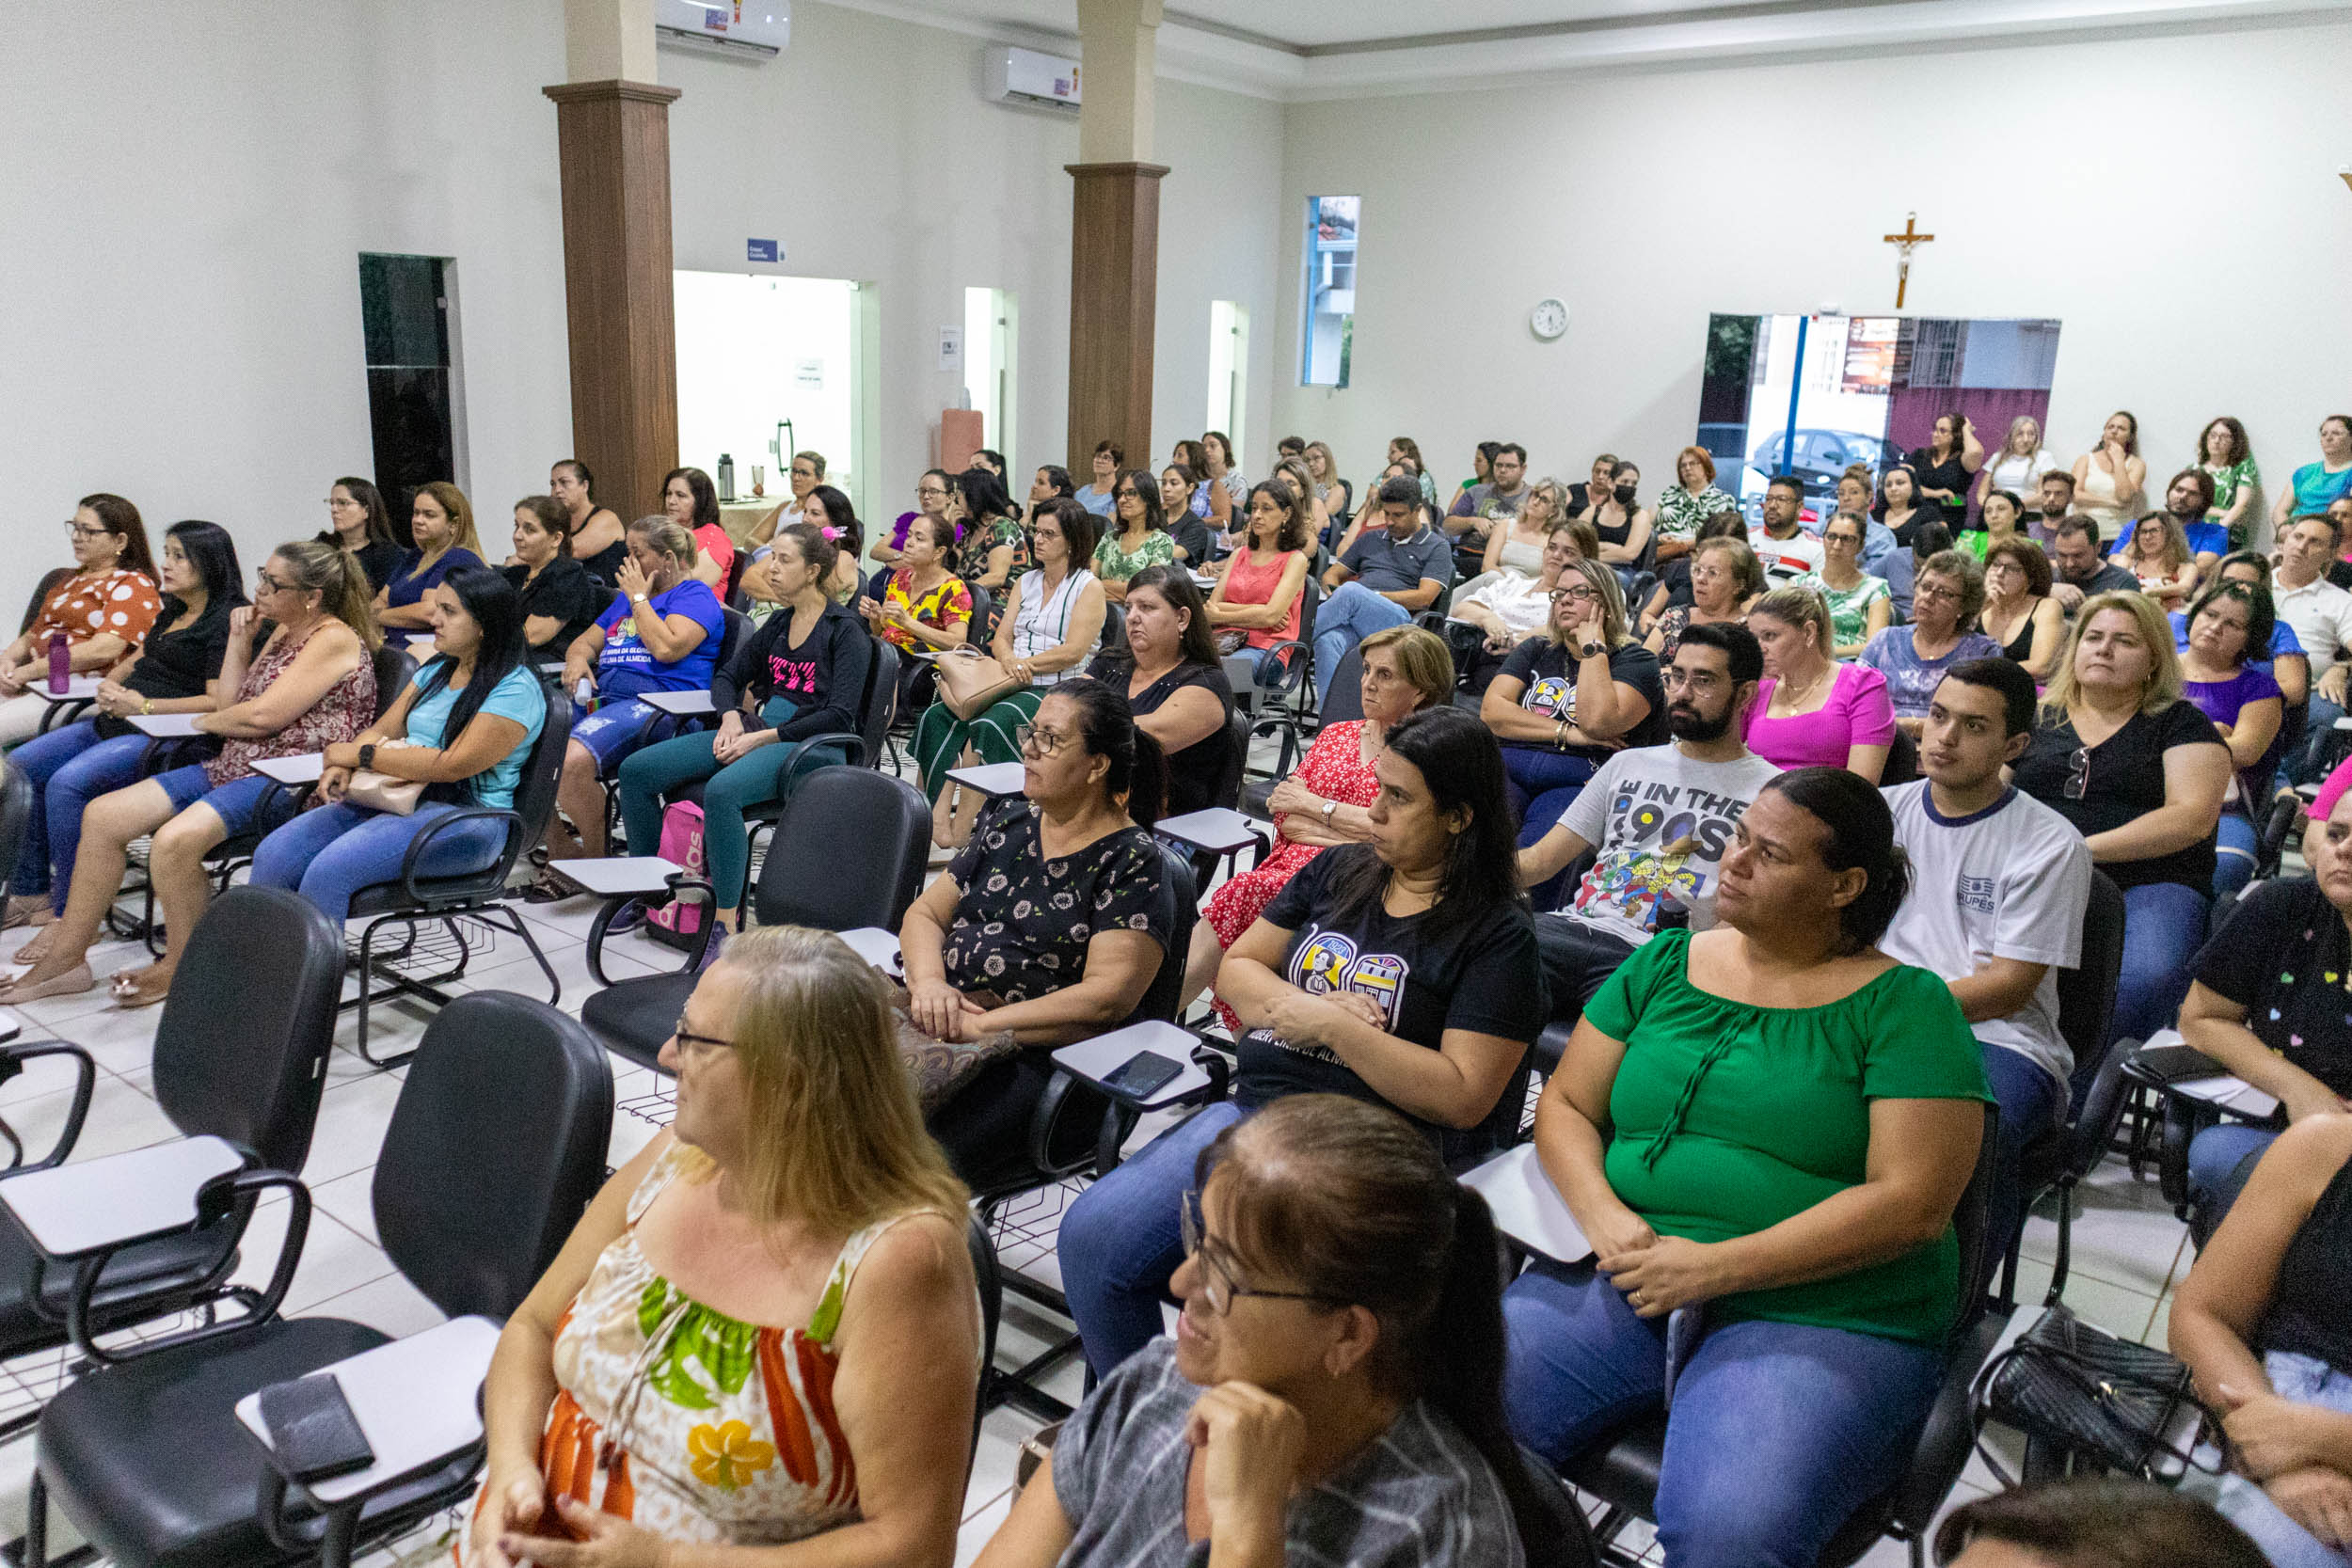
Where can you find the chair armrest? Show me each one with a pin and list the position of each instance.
(680, 886)
(233, 1194)
(12, 1060)
(434, 830)
(807, 759)
(1949, 1435)
(1201, 1081)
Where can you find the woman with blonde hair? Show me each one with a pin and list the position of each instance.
(2157, 553)
(765, 1327)
(440, 519)
(1811, 711)
(1518, 544)
(2019, 465)
(2140, 774)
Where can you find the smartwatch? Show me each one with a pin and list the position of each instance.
(366, 755)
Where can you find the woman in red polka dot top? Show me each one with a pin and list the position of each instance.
(104, 609)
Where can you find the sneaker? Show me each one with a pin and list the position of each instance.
(626, 918)
(710, 954)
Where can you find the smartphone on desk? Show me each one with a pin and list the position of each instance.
(1142, 1074)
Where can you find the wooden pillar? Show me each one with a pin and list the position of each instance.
(1114, 291)
(613, 139)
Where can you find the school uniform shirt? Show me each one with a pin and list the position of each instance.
(626, 667)
(520, 696)
(1547, 670)
(2009, 881)
(1477, 971)
(1659, 822)
(816, 689)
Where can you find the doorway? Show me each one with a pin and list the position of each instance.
(991, 368)
(767, 366)
(1228, 370)
(409, 337)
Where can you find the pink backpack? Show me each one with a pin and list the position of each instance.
(680, 921)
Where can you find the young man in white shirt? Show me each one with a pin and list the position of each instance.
(2321, 614)
(1999, 883)
(1658, 818)
(1786, 549)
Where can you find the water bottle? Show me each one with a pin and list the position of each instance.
(60, 664)
(726, 477)
(587, 692)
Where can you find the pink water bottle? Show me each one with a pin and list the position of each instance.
(60, 664)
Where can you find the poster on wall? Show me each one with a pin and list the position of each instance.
(1814, 395)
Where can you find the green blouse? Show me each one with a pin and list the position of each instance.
(1729, 1117)
(1113, 564)
(2226, 484)
(1850, 608)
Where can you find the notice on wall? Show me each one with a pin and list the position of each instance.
(763, 250)
(810, 374)
(951, 348)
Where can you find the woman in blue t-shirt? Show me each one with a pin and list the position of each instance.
(442, 521)
(2314, 486)
(464, 728)
(661, 633)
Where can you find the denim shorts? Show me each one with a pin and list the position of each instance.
(612, 731)
(237, 803)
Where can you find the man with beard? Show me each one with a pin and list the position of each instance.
(2188, 497)
(1658, 819)
(2057, 501)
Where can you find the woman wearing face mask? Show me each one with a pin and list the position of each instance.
(440, 519)
(102, 611)
(560, 599)
(1689, 501)
(2111, 482)
(359, 522)
(594, 534)
(1624, 528)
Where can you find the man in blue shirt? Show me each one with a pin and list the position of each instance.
(1390, 575)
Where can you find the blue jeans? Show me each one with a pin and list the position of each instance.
(2304, 757)
(2239, 841)
(331, 852)
(238, 803)
(2164, 926)
(1352, 614)
(2304, 1380)
(1779, 1431)
(609, 732)
(734, 789)
(2030, 1101)
(67, 769)
(2215, 1153)
(1119, 1242)
(1541, 783)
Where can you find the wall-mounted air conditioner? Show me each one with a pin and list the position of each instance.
(1025, 77)
(742, 29)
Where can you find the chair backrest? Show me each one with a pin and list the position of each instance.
(1978, 1253)
(1114, 627)
(496, 1145)
(2085, 993)
(983, 615)
(1237, 731)
(395, 667)
(733, 595)
(731, 636)
(1180, 906)
(1345, 698)
(850, 850)
(241, 1049)
(535, 792)
(877, 585)
(41, 591)
(879, 704)
(16, 810)
(1902, 761)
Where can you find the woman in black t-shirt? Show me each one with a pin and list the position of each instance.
(1556, 716)
(1946, 466)
(1175, 685)
(2140, 773)
(362, 525)
(561, 599)
(171, 672)
(1401, 971)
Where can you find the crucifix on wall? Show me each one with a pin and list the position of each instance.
(1908, 239)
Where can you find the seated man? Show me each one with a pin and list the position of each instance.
(1660, 818)
(2321, 614)
(1787, 550)
(2000, 882)
(1476, 510)
(2076, 571)
(1388, 576)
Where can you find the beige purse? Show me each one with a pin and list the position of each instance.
(971, 684)
(381, 791)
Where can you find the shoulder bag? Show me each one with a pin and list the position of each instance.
(2100, 1400)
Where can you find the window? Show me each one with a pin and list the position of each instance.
(412, 382)
(1936, 354)
(1329, 316)
(1228, 369)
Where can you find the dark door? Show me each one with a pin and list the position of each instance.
(404, 308)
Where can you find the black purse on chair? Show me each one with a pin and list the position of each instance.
(2100, 1402)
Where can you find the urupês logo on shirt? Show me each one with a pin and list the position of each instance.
(1661, 841)
(1330, 961)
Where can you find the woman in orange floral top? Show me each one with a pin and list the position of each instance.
(104, 609)
(765, 1327)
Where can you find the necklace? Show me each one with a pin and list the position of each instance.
(1800, 695)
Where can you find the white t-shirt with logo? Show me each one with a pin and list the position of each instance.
(1786, 560)
(2010, 881)
(1659, 822)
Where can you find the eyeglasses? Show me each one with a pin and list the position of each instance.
(335, 501)
(1583, 593)
(1043, 742)
(929, 490)
(78, 531)
(2078, 774)
(687, 1040)
(1703, 680)
(268, 585)
(1216, 1280)
(1940, 595)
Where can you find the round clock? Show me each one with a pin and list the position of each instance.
(1549, 319)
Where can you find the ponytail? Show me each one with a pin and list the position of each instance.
(335, 574)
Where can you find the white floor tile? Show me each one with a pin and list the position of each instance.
(2118, 1237)
(120, 1039)
(352, 1117)
(389, 1303)
(980, 1527)
(335, 1257)
(351, 1199)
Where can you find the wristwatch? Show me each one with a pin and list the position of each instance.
(366, 755)
(637, 599)
(1328, 807)
(1591, 650)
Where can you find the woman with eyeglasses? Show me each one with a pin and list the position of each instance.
(1563, 701)
(299, 659)
(2140, 774)
(933, 495)
(1943, 605)
(2157, 553)
(1333, 1389)
(1859, 607)
(359, 522)
(761, 1340)
(2019, 612)
(176, 670)
(1725, 578)
(440, 519)
(2228, 625)
(102, 609)
(1401, 971)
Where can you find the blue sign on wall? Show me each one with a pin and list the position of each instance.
(760, 250)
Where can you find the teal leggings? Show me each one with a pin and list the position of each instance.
(733, 789)
(939, 736)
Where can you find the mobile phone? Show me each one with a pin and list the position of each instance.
(1141, 1073)
(311, 1428)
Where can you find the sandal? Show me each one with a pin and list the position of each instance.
(27, 909)
(549, 888)
(71, 982)
(138, 989)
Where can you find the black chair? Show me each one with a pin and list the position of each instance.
(858, 843)
(1622, 1471)
(1114, 638)
(16, 810)
(2061, 1157)
(481, 895)
(495, 1148)
(1902, 761)
(1344, 702)
(48, 585)
(240, 1055)
(988, 1275)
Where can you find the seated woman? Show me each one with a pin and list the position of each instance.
(1771, 1122)
(1515, 546)
(308, 682)
(2019, 613)
(560, 599)
(1194, 543)
(1623, 526)
(692, 501)
(2260, 1322)
(1902, 510)
(1859, 607)
(1810, 711)
(2262, 1007)
(829, 512)
(2156, 551)
(2284, 657)
(2141, 774)
(2243, 702)
(1674, 578)
(176, 670)
(1928, 540)
(102, 611)
(1724, 578)
(1053, 627)
(754, 1335)
(1943, 605)
(1854, 499)
(1212, 502)
(994, 547)
(1257, 601)
(932, 494)
(799, 677)
(1136, 536)
(440, 519)
(1048, 921)
(1174, 684)
(597, 538)
(660, 633)
(1565, 699)
(1689, 501)
(1510, 609)
(1400, 972)
(1325, 1366)
(925, 608)
(464, 727)
(2004, 514)
(360, 523)
(1328, 800)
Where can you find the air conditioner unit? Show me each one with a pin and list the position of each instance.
(1025, 77)
(756, 29)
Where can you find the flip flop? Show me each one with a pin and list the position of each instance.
(73, 982)
(127, 992)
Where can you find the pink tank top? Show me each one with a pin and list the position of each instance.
(1252, 580)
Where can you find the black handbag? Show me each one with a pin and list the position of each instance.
(2096, 1399)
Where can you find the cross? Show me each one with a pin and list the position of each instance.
(1908, 239)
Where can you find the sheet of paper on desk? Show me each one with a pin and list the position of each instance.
(2230, 1094)
(1527, 1207)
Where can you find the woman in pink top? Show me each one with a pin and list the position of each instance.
(1258, 595)
(1810, 712)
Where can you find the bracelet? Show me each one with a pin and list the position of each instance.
(147, 704)
(1559, 737)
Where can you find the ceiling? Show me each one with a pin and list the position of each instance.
(1308, 49)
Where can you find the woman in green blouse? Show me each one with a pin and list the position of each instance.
(2224, 452)
(1138, 537)
(1763, 1129)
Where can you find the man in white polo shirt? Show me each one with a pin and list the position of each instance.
(2321, 614)
(1999, 883)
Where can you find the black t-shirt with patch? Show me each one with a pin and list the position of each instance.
(1547, 671)
(2284, 958)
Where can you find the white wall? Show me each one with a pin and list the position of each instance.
(2174, 201)
(186, 192)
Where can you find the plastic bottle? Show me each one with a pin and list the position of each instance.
(60, 664)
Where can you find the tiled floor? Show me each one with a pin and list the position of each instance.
(2129, 1252)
